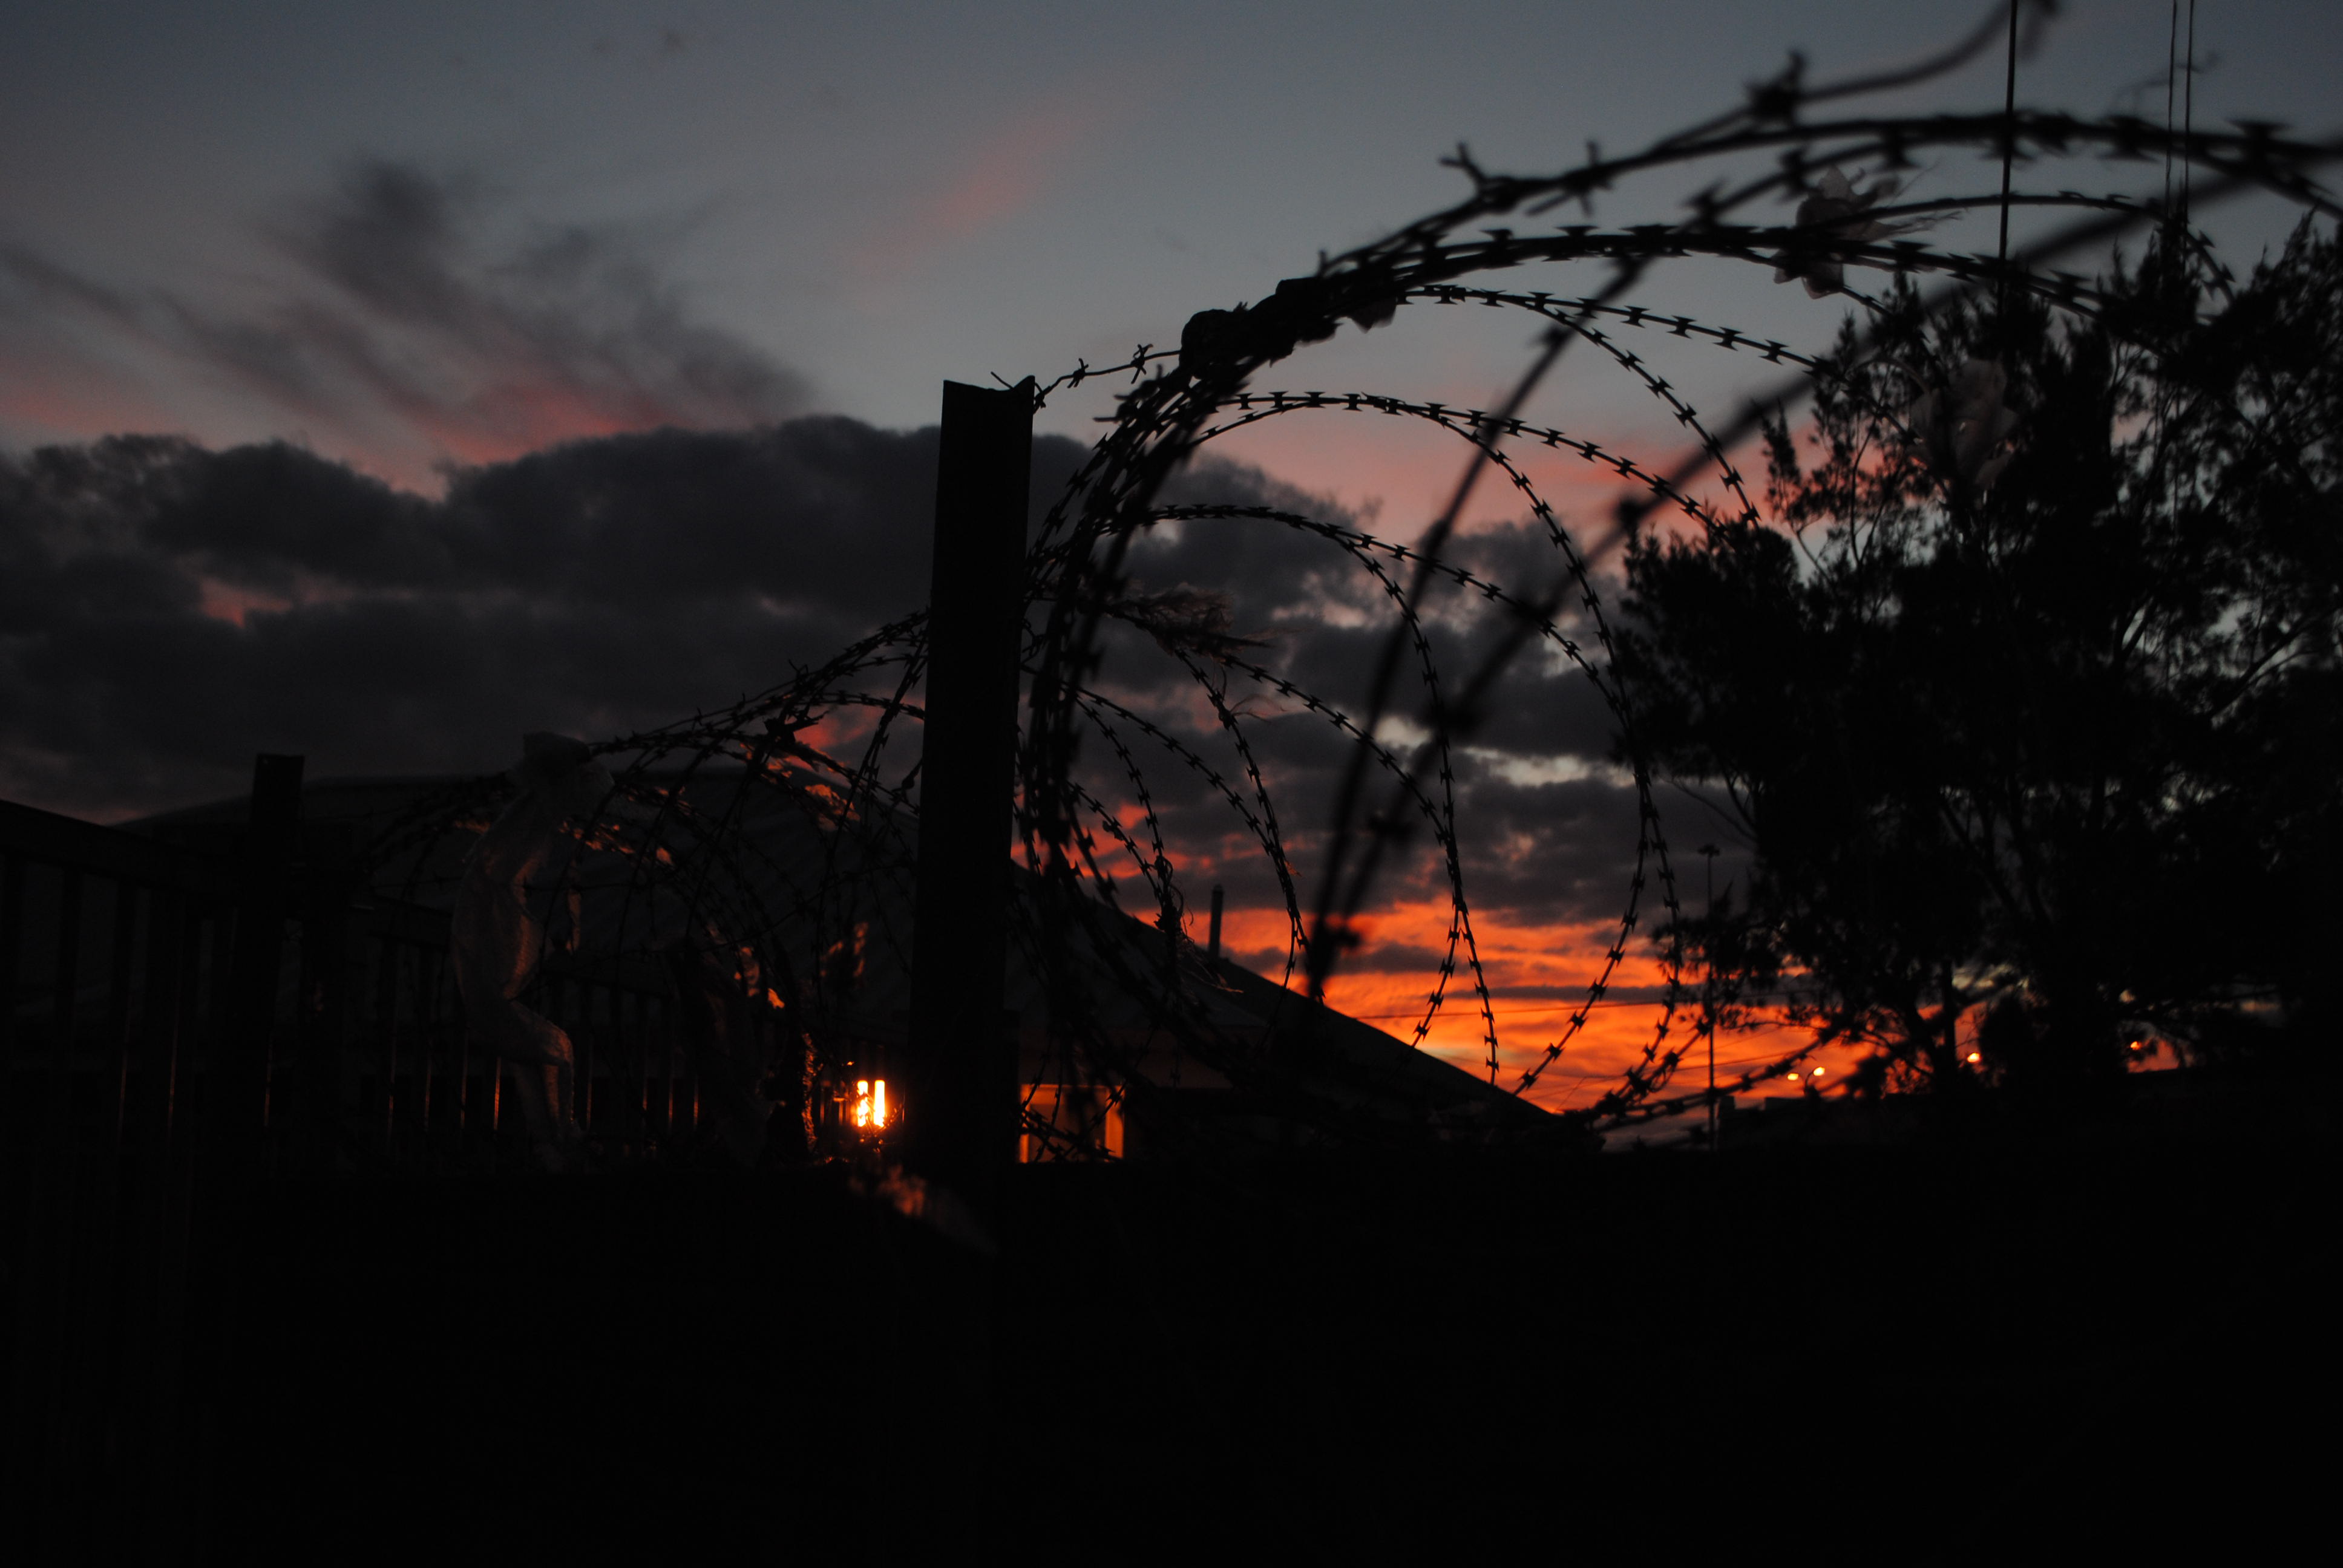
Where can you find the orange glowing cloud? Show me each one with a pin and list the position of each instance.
(1538, 976)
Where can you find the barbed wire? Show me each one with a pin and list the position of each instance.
(1175, 407)
(690, 840)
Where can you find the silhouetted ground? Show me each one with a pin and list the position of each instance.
(1917, 1354)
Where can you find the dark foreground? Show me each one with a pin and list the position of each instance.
(1903, 1354)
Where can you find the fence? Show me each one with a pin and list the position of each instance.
(181, 1021)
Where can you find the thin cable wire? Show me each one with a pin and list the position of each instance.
(2009, 136)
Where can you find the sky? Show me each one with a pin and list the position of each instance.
(760, 209)
(595, 342)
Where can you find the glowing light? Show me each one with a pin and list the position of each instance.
(775, 997)
(2137, 1043)
(1976, 1057)
(1818, 1072)
(871, 1104)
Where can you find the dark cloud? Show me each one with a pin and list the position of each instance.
(38, 284)
(1547, 829)
(167, 610)
(1556, 852)
(1330, 616)
(407, 329)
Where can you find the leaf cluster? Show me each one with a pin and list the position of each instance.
(2026, 695)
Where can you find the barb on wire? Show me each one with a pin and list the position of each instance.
(785, 823)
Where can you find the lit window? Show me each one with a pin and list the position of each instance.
(871, 1110)
(1081, 1122)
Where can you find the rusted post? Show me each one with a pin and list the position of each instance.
(958, 1083)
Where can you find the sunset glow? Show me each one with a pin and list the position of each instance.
(1430, 672)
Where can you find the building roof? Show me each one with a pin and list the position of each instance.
(1160, 1022)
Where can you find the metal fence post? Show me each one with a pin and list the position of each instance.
(238, 1116)
(958, 1083)
(321, 1015)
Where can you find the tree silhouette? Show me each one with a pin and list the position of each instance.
(2025, 696)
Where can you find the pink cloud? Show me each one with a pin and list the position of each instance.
(1005, 173)
(67, 406)
(403, 333)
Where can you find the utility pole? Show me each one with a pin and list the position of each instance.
(1708, 994)
(957, 1085)
(2009, 135)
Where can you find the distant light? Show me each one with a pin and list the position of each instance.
(878, 1103)
(1818, 1072)
(862, 1102)
(1974, 1057)
(2137, 1043)
(775, 997)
